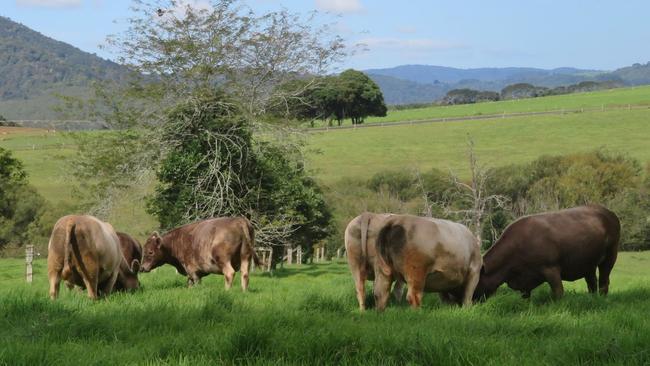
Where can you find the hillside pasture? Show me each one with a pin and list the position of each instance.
(604, 99)
(362, 152)
(307, 314)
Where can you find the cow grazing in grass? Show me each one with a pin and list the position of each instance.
(550, 247)
(132, 251)
(430, 255)
(360, 238)
(221, 245)
(85, 251)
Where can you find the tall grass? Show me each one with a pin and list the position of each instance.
(308, 315)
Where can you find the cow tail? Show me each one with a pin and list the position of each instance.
(249, 242)
(384, 260)
(365, 222)
(67, 247)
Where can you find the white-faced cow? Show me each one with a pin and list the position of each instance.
(221, 245)
(431, 255)
(360, 238)
(84, 251)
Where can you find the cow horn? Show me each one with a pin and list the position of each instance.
(135, 266)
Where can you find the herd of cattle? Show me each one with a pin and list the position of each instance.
(423, 254)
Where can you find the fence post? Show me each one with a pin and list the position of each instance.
(289, 255)
(268, 265)
(29, 259)
(299, 255)
(338, 253)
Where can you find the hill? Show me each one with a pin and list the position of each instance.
(33, 66)
(492, 79)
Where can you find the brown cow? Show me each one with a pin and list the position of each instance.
(431, 255)
(550, 247)
(221, 245)
(84, 251)
(360, 237)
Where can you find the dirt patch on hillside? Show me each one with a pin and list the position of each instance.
(15, 130)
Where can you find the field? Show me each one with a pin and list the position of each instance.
(612, 98)
(363, 152)
(334, 155)
(308, 314)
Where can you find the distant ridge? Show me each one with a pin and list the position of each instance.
(403, 84)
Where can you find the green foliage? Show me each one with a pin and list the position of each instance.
(20, 205)
(214, 167)
(469, 96)
(554, 182)
(352, 94)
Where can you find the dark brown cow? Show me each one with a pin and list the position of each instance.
(222, 245)
(550, 247)
(132, 251)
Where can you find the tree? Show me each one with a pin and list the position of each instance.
(194, 116)
(360, 97)
(20, 205)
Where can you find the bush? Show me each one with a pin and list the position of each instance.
(21, 207)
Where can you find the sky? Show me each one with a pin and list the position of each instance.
(588, 34)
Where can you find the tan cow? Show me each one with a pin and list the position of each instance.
(222, 245)
(84, 251)
(360, 237)
(431, 255)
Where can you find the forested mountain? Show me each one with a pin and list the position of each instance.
(32, 66)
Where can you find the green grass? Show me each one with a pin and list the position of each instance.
(308, 315)
(363, 152)
(611, 98)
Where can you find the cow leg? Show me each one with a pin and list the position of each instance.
(381, 290)
(108, 287)
(359, 276)
(55, 281)
(415, 292)
(554, 279)
(244, 267)
(398, 290)
(525, 294)
(228, 274)
(604, 269)
(592, 282)
(470, 286)
(91, 282)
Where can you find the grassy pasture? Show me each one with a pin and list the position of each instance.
(307, 314)
(363, 152)
(612, 98)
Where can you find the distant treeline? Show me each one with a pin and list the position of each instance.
(523, 90)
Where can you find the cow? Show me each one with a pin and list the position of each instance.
(219, 245)
(132, 251)
(360, 237)
(430, 255)
(84, 251)
(551, 247)
(127, 278)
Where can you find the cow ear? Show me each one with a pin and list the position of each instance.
(156, 237)
(135, 266)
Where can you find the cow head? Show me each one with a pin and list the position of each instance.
(153, 253)
(128, 277)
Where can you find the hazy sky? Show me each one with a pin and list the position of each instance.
(596, 34)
